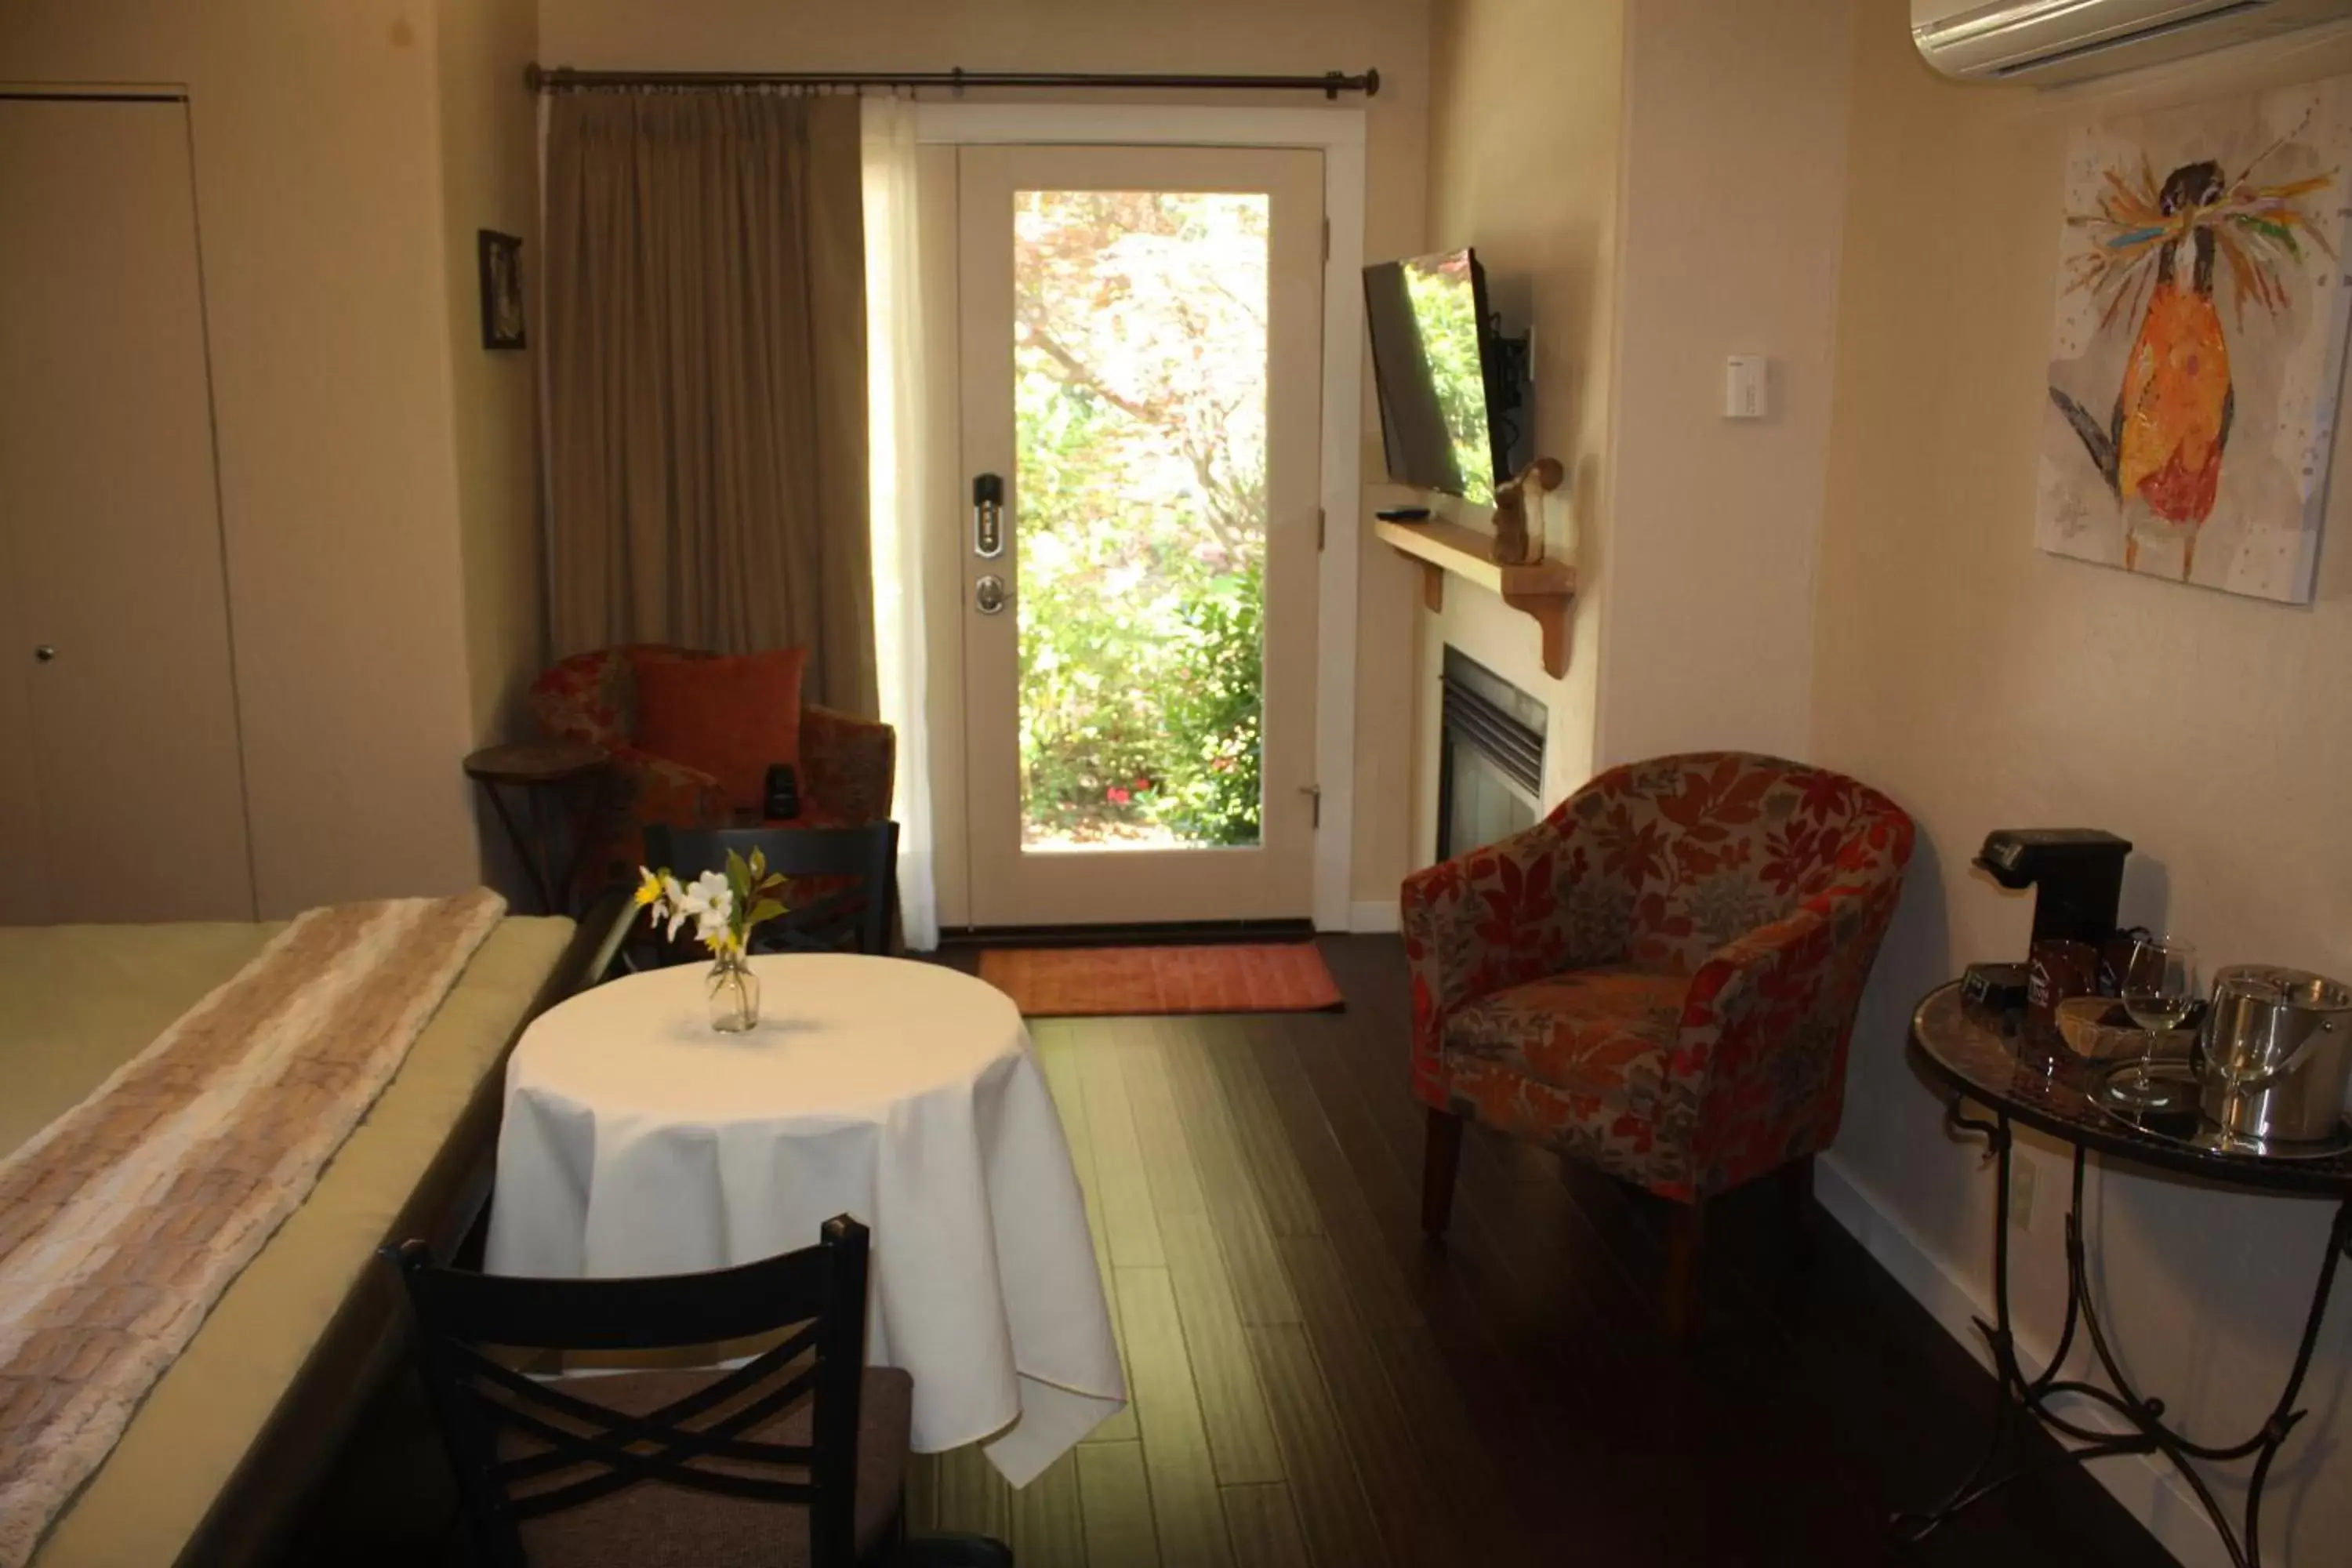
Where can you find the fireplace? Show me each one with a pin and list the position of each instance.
(1490, 757)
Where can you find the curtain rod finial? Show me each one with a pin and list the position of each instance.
(1372, 82)
(532, 77)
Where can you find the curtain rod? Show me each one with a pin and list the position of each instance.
(1330, 84)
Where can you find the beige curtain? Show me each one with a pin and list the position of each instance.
(706, 362)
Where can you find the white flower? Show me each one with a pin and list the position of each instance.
(673, 906)
(709, 902)
(710, 891)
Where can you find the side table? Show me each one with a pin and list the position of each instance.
(544, 775)
(1967, 1053)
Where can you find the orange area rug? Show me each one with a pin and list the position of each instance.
(1092, 981)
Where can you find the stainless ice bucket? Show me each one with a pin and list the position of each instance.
(2274, 1057)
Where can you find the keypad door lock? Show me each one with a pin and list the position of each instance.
(988, 516)
(988, 595)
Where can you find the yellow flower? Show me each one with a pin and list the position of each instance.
(649, 887)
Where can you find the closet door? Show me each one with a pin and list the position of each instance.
(122, 793)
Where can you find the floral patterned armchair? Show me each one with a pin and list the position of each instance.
(1660, 978)
(845, 769)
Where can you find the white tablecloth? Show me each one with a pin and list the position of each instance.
(639, 1140)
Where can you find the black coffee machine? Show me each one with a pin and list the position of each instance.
(2077, 875)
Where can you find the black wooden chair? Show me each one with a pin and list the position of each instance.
(798, 1456)
(844, 894)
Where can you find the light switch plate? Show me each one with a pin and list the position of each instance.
(1746, 387)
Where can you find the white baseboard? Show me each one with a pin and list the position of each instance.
(1370, 915)
(2146, 1485)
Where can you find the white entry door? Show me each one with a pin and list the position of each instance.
(1140, 366)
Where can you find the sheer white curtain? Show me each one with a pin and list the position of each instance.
(897, 487)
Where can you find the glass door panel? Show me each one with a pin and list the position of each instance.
(1140, 366)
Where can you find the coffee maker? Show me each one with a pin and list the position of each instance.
(2077, 875)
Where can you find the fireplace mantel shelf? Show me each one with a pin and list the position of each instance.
(1541, 590)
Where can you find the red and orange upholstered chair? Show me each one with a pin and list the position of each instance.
(1660, 978)
(844, 764)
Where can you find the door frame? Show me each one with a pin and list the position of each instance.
(1339, 135)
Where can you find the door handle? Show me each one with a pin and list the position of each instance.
(44, 653)
(988, 595)
(988, 516)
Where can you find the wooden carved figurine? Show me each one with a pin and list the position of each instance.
(1519, 512)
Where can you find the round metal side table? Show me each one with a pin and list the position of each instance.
(1968, 1053)
(544, 775)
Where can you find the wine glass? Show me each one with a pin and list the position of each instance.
(2159, 991)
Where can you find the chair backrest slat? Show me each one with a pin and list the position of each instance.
(650, 1312)
(714, 1439)
(585, 1450)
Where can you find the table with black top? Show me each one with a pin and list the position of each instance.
(544, 775)
(1970, 1054)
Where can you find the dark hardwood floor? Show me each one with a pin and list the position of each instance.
(1314, 1385)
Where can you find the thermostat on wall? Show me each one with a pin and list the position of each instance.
(1746, 387)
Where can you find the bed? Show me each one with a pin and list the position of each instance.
(226, 1447)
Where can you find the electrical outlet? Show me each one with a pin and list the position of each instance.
(2020, 1193)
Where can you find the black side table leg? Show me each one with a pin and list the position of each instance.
(576, 805)
(528, 845)
(2022, 1399)
(2283, 1416)
(1911, 1528)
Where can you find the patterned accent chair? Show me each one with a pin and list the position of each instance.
(846, 766)
(1660, 979)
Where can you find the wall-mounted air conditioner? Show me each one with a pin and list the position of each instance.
(2047, 42)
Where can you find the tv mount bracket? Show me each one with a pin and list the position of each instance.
(1505, 378)
(1511, 357)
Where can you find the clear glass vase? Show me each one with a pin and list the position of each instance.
(734, 994)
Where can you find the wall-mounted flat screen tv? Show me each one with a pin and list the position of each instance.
(1439, 370)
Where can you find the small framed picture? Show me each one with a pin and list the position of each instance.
(502, 265)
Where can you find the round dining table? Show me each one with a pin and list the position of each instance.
(637, 1140)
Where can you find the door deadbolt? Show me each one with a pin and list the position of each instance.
(45, 653)
(988, 595)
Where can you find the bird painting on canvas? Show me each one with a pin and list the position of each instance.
(2159, 251)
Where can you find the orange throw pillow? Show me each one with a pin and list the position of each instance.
(732, 715)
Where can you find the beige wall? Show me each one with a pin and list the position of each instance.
(1985, 684)
(1734, 189)
(1525, 110)
(1116, 35)
(320, 197)
(1689, 203)
(489, 152)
